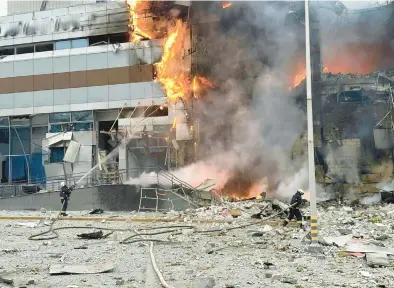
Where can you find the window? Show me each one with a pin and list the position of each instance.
(25, 49)
(44, 47)
(82, 116)
(7, 51)
(119, 38)
(57, 155)
(98, 40)
(60, 45)
(79, 43)
(60, 118)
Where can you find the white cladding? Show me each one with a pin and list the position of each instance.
(66, 23)
(24, 6)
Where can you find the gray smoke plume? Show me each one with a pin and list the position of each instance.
(251, 124)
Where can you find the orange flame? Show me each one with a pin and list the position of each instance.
(138, 33)
(206, 82)
(325, 70)
(199, 81)
(226, 4)
(170, 72)
(298, 79)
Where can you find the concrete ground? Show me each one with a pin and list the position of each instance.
(229, 258)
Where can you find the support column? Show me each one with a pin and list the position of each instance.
(314, 247)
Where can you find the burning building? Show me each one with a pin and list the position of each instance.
(214, 90)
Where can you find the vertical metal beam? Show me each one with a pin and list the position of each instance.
(9, 151)
(311, 152)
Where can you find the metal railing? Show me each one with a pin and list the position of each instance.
(161, 177)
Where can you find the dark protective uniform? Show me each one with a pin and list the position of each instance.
(65, 193)
(294, 212)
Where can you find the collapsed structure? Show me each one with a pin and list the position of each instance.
(122, 86)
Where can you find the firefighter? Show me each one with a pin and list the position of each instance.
(65, 193)
(294, 211)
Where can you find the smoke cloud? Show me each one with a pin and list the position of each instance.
(250, 124)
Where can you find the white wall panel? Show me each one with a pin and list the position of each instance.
(43, 66)
(43, 98)
(61, 64)
(145, 55)
(120, 104)
(118, 59)
(79, 107)
(23, 100)
(61, 108)
(43, 109)
(79, 95)
(7, 101)
(139, 90)
(78, 62)
(97, 105)
(62, 97)
(97, 61)
(6, 112)
(23, 111)
(157, 90)
(119, 92)
(6, 69)
(23, 68)
(85, 154)
(98, 94)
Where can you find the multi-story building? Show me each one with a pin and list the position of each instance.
(67, 75)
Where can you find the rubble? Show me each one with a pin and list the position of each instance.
(377, 260)
(269, 255)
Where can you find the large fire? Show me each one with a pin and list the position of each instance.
(171, 71)
(140, 28)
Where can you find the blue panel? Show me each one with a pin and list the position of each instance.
(18, 168)
(57, 154)
(4, 140)
(79, 43)
(60, 45)
(37, 171)
(20, 140)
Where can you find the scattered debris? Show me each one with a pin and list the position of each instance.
(28, 224)
(365, 274)
(58, 269)
(6, 280)
(235, 213)
(206, 282)
(289, 280)
(377, 260)
(345, 231)
(93, 235)
(339, 241)
(97, 211)
(119, 282)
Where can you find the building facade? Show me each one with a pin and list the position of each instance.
(67, 74)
